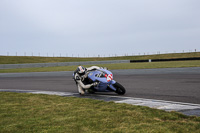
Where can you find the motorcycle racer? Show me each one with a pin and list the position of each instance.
(80, 77)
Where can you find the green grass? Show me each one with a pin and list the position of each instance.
(21, 112)
(171, 64)
(33, 59)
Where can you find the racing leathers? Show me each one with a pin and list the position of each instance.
(80, 80)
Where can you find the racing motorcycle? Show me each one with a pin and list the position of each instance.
(105, 82)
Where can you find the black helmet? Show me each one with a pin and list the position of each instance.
(81, 70)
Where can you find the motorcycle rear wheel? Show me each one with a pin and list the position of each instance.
(119, 88)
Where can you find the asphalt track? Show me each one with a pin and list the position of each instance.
(170, 84)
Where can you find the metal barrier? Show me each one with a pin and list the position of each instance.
(157, 60)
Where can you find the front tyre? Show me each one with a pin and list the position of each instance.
(119, 88)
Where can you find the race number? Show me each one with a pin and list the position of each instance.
(109, 77)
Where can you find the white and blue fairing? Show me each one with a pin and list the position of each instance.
(101, 76)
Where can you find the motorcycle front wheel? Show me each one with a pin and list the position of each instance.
(119, 88)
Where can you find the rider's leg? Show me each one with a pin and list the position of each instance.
(80, 90)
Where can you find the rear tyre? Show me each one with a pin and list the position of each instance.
(119, 88)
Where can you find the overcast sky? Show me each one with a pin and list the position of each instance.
(98, 27)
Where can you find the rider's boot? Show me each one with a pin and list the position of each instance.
(80, 90)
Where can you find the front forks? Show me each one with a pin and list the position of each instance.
(111, 85)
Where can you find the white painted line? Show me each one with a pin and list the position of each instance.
(177, 107)
(153, 100)
(164, 105)
(53, 93)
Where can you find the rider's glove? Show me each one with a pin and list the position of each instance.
(95, 83)
(106, 68)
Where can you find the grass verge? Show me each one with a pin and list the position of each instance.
(21, 112)
(34, 59)
(146, 65)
